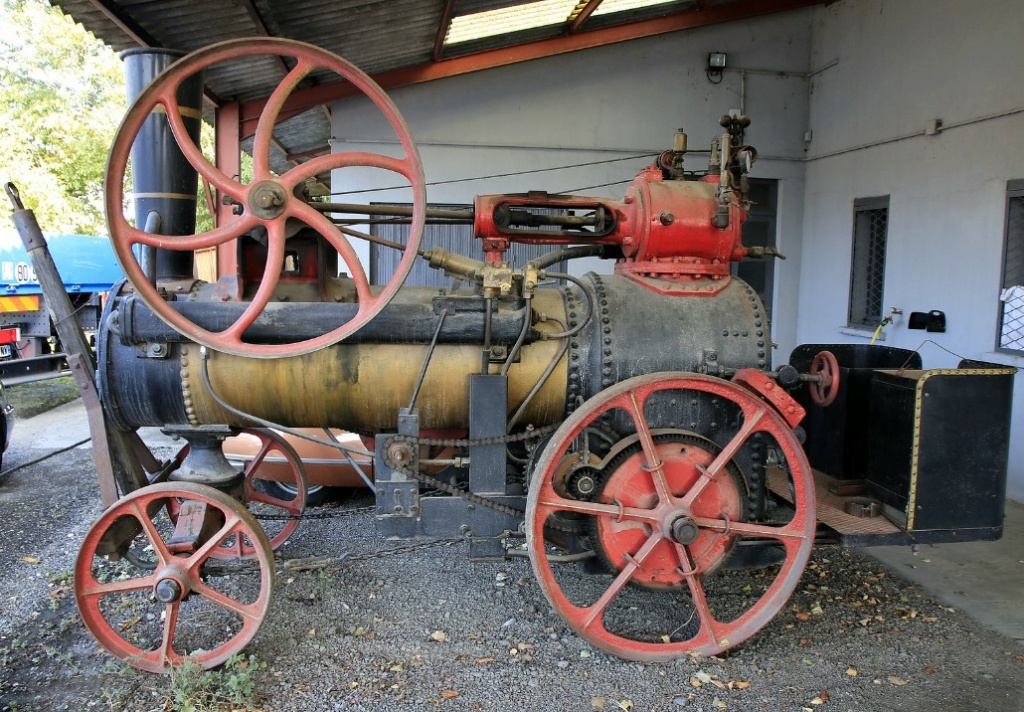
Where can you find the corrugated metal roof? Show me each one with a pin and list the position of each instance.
(375, 35)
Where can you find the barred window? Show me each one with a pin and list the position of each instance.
(867, 271)
(1011, 326)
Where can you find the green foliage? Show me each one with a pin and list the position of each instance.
(61, 97)
(232, 687)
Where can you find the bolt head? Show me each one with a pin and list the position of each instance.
(685, 531)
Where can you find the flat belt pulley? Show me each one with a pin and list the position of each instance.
(270, 203)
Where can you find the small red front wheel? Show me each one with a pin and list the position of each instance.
(143, 587)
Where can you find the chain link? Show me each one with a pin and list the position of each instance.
(333, 514)
(528, 434)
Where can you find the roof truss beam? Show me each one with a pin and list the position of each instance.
(305, 99)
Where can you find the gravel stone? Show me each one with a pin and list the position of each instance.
(49, 661)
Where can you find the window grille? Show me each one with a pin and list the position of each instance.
(867, 272)
(1011, 326)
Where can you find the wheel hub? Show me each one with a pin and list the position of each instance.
(685, 530)
(168, 590)
(267, 199)
(627, 481)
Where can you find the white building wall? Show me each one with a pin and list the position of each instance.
(900, 64)
(621, 103)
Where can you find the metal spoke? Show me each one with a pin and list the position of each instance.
(271, 272)
(155, 540)
(170, 623)
(761, 531)
(654, 465)
(347, 159)
(596, 508)
(128, 586)
(325, 227)
(633, 563)
(203, 552)
(192, 153)
(268, 117)
(216, 597)
(697, 593)
(728, 452)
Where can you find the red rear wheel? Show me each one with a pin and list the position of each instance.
(666, 514)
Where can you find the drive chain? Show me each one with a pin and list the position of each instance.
(405, 469)
(332, 514)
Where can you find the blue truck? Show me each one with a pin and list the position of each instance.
(28, 347)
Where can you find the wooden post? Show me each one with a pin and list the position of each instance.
(116, 461)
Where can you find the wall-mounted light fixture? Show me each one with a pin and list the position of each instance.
(716, 64)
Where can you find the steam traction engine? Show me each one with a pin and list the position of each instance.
(628, 426)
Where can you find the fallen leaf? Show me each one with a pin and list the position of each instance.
(694, 682)
(719, 704)
(128, 624)
(718, 683)
(817, 701)
(597, 703)
(449, 694)
(702, 676)
(929, 670)
(824, 696)
(484, 660)
(803, 616)
(852, 671)
(30, 559)
(438, 636)
(624, 704)
(739, 684)
(897, 680)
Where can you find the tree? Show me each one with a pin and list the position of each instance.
(61, 97)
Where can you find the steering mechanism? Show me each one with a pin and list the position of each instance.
(269, 201)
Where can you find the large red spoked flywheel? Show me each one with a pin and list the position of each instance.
(269, 201)
(143, 588)
(665, 511)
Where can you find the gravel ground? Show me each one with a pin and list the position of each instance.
(429, 629)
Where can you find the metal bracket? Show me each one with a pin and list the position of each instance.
(398, 496)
